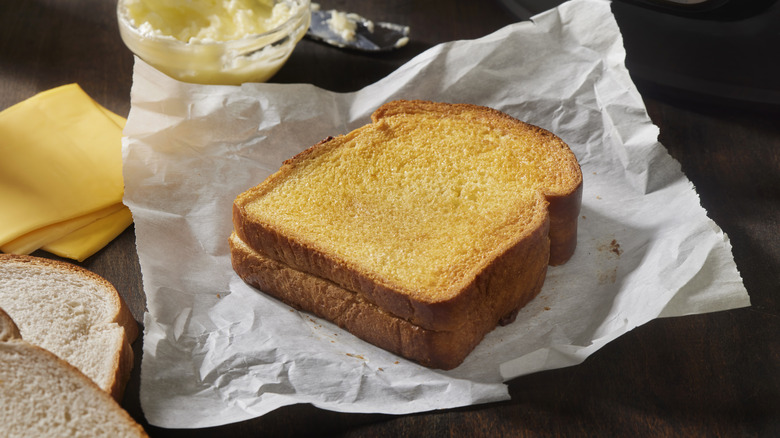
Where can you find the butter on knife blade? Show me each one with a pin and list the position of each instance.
(352, 31)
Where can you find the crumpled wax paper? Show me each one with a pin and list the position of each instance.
(217, 351)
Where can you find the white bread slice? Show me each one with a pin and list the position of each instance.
(44, 396)
(73, 313)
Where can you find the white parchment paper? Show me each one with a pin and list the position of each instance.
(217, 351)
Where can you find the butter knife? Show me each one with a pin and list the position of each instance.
(352, 31)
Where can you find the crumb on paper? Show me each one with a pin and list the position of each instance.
(614, 246)
(608, 274)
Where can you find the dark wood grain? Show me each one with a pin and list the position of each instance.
(705, 375)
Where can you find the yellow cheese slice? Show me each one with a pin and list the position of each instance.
(35, 239)
(88, 240)
(114, 117)
(61, 160)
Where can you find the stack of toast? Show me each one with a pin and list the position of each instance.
(419, 232)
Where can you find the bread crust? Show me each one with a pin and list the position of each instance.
(564, 216)
(123, 359)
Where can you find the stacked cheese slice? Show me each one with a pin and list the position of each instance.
(61, 181)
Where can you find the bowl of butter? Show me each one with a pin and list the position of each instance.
(225, 42)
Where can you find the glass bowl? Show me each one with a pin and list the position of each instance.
(251, 58)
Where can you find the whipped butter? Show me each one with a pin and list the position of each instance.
(214, 41)
(206, 20)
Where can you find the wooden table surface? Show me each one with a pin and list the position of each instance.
(706, 375)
